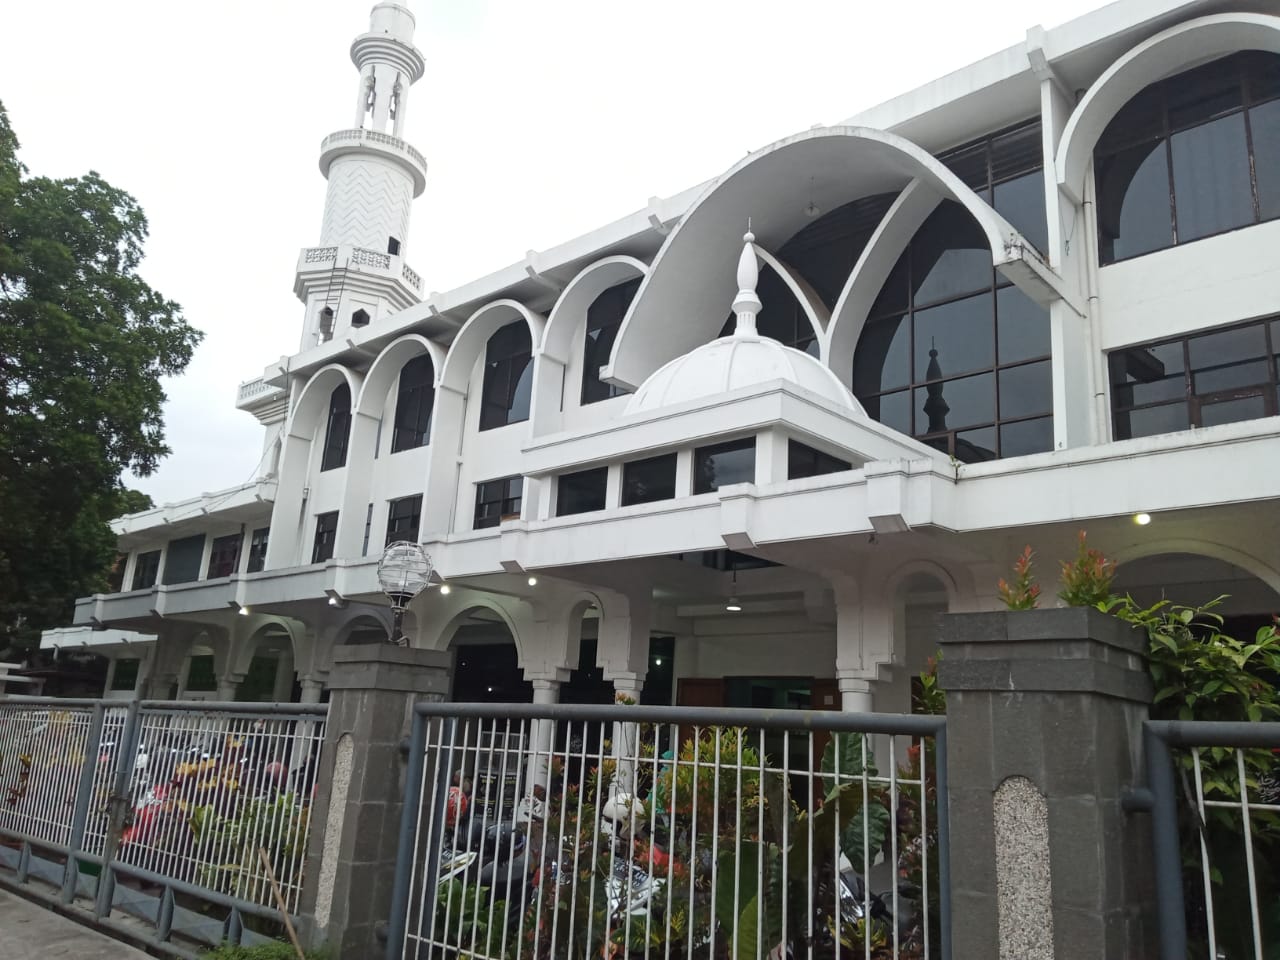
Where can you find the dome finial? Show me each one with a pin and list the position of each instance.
(747, 304)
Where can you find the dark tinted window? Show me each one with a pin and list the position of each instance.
(415, 398)
(581, 492)
(508, 377)
(403, 516)
(201, 675)
(604, 317)
(182, 559)
(1222, 376)
(1191, 156)
(145, 570)
(724, 464)
(125, 675)
(115, 578)
(649, 480)
(224, 555)
(337, 430)
(1006, 170)
(326, 533)
(804, 461)
(258, 550)
(955, 356)
(498, 500)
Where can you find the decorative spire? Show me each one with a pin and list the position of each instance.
(746, 305)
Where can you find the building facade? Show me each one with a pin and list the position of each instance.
(1037, 296)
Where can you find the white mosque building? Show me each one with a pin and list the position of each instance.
(1035, 296)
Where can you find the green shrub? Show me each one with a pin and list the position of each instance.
(272, 950)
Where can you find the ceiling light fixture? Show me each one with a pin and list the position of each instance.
(533, 581)
(1142, 519)
(733, 606)
(445, 589)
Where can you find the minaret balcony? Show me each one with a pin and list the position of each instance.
(329, 269)
(373, 143)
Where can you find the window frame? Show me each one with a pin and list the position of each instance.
(415, 403)
(906, 311)
(821, 459)
(337, 431)
(1163, 135)
(1193, 403)
(151, 558)
(412, 511)
(626, 500)
(510, 505)
(727, 446)
(217, 548)
(257, 560)
(504, 370)
(586, 477)
(608, 333)
(326, 536)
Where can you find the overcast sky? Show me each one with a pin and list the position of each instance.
(539, 121)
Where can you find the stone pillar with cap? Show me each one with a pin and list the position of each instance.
(1044, 727)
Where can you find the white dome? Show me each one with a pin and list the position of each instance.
(732, 363)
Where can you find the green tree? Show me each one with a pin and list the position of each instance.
(84, 342)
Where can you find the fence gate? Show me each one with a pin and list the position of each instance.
(625, 831)
(192, 817)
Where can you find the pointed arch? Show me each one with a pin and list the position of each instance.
(681, 303)
(1168, 52)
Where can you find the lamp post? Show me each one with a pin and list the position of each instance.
(403, 572)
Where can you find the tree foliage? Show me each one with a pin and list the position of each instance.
(84, 342)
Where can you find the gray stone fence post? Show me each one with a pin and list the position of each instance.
(1044, 733)
(351, 857)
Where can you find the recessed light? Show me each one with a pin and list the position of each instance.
(1142, 519)
(445, 589)
(533, 581)
(657, 662)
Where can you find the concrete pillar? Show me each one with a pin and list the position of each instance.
(353, 848)
(1044, 725)
(626, 736)
(546, 691)
(228, 684)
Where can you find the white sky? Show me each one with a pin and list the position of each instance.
(539, 121)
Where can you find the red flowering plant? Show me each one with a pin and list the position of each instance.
(1086, 580)
(1024, 592)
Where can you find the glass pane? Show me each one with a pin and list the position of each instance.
(1021, 202)
(1026, 390)
(1147, 374)
(1148, 421)
(970, 165)
(581, 492)
(955, 337)
(893, 410)
(880, 362)
(974, 446)
(893, 295)
(719, 466)
(1022, 326)
(1264, 126)
(955, 403)
(1263, 70)
(644, 481)
(1018, 151)
(1227, 346)
(1205, 92)
(950, 256)
(1211, 178)
(1133, 202)
(1233, 376)
(1142, 118)
(1233, 411)
(522, 376)
(1026, 436)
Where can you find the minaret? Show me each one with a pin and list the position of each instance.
(358, 273)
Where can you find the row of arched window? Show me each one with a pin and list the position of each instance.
(952, 353)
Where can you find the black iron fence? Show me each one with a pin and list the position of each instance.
(627, 831)
(192, 817)
(1215, 804)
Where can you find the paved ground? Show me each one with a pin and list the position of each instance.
(30, 932)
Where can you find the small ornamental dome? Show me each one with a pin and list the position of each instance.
(742, 359)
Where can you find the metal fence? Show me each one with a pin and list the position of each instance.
(1215, 803)
(160, 810)
(610, 832)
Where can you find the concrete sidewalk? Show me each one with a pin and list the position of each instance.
(30, 932)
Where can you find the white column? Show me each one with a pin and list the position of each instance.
(626, 736)
(546, 691)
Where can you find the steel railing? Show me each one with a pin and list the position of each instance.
(106, 801)
(598, 831)
(1215, 801)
